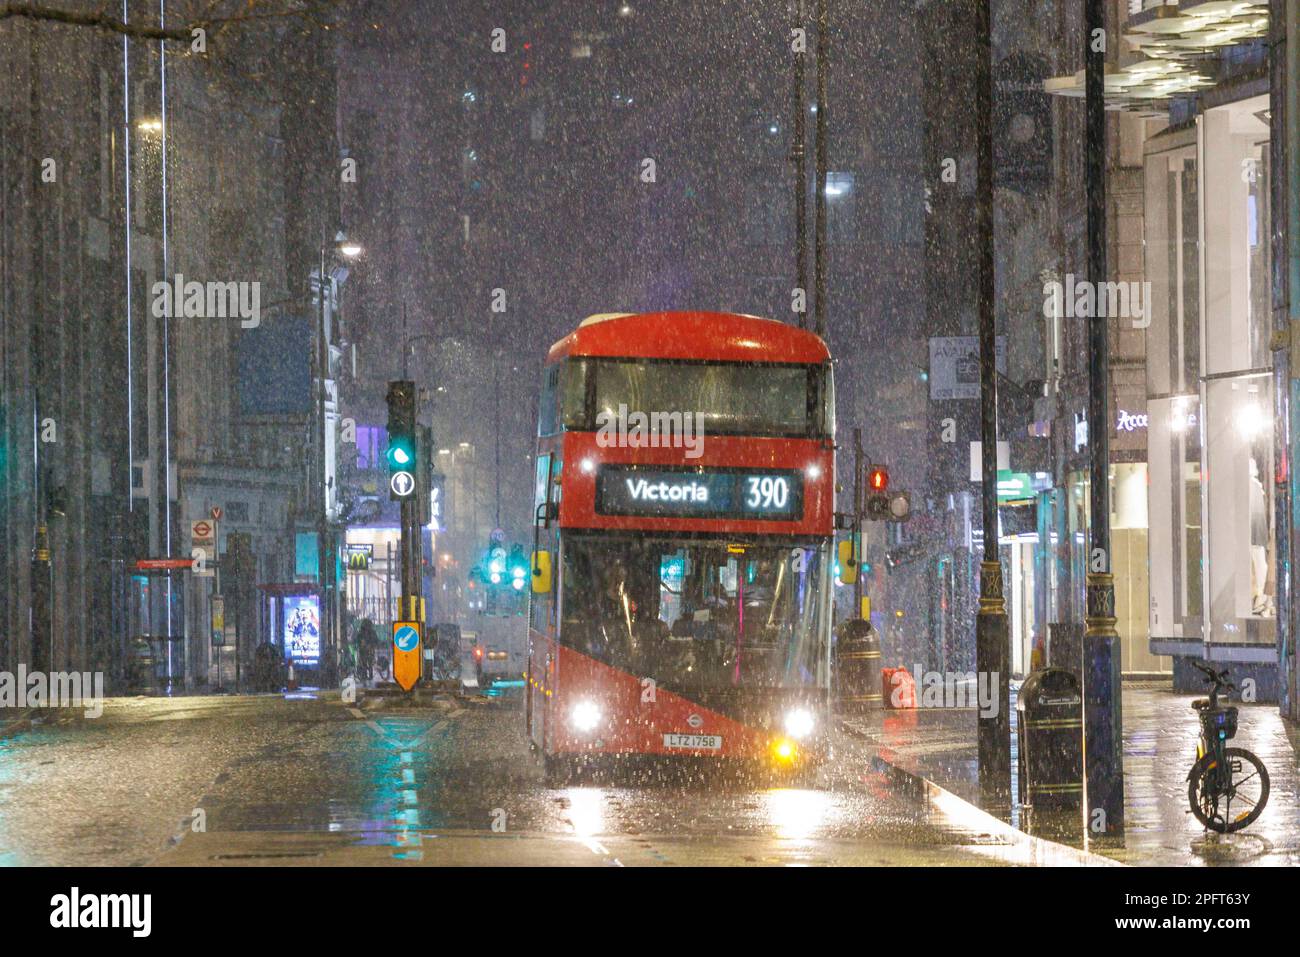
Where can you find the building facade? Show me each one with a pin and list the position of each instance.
(128, 164)
(1198, 90)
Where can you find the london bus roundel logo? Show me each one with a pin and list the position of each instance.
(695, 721)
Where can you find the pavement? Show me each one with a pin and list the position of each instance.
(938, 747)
(20, 720)
(305, 779)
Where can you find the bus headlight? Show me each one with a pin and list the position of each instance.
(799, 723)
(585, 716)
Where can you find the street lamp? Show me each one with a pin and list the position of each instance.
(1103, 745)
(991, 635)
(325, 534)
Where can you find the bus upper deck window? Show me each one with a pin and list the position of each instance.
(573, 394)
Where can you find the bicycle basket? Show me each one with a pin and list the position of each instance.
(1221, 721)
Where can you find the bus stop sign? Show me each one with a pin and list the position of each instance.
(406, 653)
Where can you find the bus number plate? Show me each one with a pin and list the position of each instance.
(694, 742)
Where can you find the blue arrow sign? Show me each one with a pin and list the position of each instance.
(406, 638)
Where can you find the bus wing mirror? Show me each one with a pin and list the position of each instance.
(541, 572)
(848, 562)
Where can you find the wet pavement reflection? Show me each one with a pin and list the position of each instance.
(307, 780)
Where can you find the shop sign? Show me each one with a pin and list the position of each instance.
(1130, 421)
(1014, 487)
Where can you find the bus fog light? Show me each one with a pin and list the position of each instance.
(799, 723)
(585, 716)
(783, 749)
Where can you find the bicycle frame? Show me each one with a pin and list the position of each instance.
(1214, 775)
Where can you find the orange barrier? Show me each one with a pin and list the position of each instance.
(899, 688)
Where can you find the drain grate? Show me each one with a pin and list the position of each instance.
(264, 855)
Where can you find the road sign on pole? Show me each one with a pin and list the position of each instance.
(218, 620)
(402, 484)
(203, 534)
(406, 653)
(163, 564)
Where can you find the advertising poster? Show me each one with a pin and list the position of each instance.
(302, 629)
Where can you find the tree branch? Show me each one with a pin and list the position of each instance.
(142, 31)
(100, 20)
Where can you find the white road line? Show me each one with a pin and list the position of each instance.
(378, 729)
(600, 850)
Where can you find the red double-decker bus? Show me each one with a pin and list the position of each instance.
(683, 567)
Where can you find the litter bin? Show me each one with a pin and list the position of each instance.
(1065, 647)
(141, 666)
(857, 665)
(1050, 737)
(266, 667)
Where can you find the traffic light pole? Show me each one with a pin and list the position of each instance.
(412, 559)
(407, 442)
(991, 636)
(858, 549)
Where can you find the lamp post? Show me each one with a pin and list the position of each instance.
(819, 235)
(326, 546)
(991, 636)
(1103, 757)
(799, 156)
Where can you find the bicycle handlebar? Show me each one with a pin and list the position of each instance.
(1219, 678)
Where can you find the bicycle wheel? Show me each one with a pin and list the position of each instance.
(1239, 803)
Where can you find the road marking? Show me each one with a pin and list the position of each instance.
(380, 730)
(357, 713)
(600, 850)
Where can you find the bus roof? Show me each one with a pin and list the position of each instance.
(720, 336)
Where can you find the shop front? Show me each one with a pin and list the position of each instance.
(1213, 574)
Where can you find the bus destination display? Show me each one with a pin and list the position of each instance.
(715, 493)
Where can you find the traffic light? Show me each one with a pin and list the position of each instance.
(877, 493)
(517, 565)
(883, 505)
(496, 565)
(402, 445)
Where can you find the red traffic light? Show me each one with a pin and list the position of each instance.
(878, 479)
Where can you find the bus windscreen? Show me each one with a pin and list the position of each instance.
(728, 398)
(698, 615)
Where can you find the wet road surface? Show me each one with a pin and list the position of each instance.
(308, 780)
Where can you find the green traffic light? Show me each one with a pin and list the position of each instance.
(400, 453)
